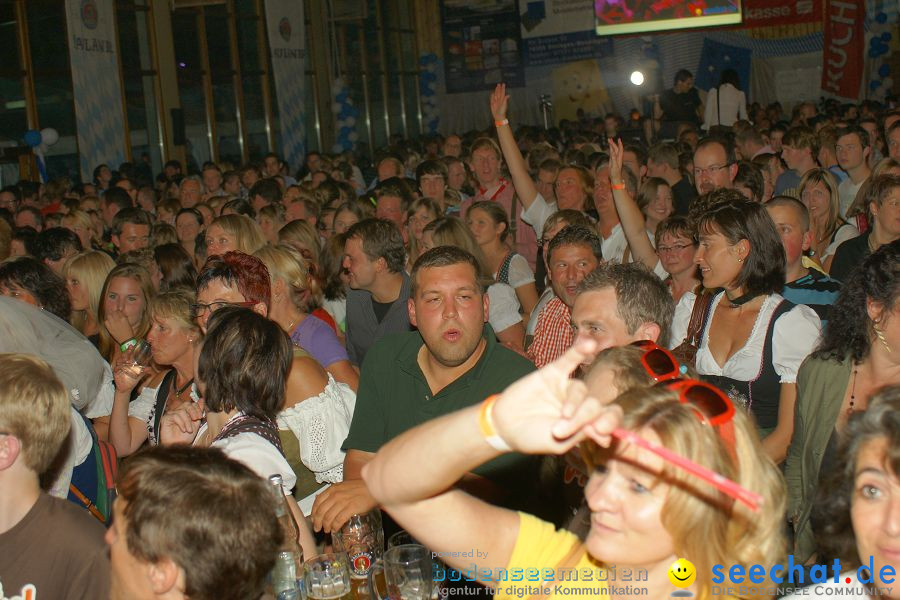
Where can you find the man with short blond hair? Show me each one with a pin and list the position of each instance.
(51, 548)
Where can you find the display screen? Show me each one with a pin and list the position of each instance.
(613, 17)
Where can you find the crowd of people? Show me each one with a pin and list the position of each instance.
(490, 339)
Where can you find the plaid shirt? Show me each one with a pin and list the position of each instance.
(553, 334)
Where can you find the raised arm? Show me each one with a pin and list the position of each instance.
(126, 434)
(630, 215)
(518, 170)
(543, 413)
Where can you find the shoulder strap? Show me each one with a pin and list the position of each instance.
(699, 314)
(503, 272)
(249, 424)
(719, 104)
(162, 397)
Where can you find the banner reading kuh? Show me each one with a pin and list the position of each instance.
(287, 40)
(95, 84)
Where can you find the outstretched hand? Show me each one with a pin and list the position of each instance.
(499, 102)
(548, 412)
(616, 158)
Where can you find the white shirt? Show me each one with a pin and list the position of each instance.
(796, 334)
(519, 272)
(503, 311)
(845, 232)
(256, 453)
(847, 191)
(732, 105)
(537, 214)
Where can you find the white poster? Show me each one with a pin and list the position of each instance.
(95, 84)
(287, 40)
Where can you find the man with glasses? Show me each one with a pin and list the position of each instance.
(714, 165)
(10, 197)
(51, 547)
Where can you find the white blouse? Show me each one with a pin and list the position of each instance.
(796, 334)
(503, 310)
(256, 453)
(519, 272)
(845, 232)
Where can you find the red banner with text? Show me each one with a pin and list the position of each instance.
(766, 13)
(842, 65)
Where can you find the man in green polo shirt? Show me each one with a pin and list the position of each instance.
(451, 362)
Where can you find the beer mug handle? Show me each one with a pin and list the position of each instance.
(378, 565)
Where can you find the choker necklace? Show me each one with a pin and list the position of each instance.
(741, 300)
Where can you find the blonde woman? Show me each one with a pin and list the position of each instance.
(123, 313)
(819, 193)
(504, 316)
(290, 280)
(645, 512)
(85, 274)
(79, 222)
(233, 233)
(171, 337)
(271, 220)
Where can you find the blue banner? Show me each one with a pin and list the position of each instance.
(96, 84)
(287, 41)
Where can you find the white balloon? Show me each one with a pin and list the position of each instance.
(887, 83)
(350, 121)
(49, 136)
(353, 136)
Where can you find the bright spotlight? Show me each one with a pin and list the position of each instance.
(637, 78)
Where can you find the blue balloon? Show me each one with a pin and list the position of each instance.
(33, 138)
(886, 37)
(884, 70)
(874, 85)
(881, 18)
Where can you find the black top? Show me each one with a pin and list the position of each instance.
(683, 194)
(849, 256)
(680, 107)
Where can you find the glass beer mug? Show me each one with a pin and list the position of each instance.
(408, 573)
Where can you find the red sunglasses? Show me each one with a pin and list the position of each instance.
(659, 363)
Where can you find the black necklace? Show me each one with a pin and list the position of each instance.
(741, 300)
(180, 391)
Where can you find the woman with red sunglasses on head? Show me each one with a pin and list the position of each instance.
(646, 512)
(753, 340)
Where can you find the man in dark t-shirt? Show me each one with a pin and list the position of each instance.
(679, 105)
(51, 548)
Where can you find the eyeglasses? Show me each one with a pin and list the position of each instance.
(199, 309)
(698, 171)
(675, 248)
(658, 362)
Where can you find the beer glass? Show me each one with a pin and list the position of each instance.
(327, 577)
(139, 358)
(404, 537)
(408, 573)
(362, 538)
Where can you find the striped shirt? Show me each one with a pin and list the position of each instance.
(815, 290)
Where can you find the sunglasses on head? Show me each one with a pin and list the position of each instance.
(658, 362)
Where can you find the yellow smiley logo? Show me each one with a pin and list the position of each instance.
(682, 573)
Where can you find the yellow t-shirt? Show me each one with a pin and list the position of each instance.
(535, 560)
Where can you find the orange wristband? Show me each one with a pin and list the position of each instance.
(501, 123)
(618, 186)
(486, 425)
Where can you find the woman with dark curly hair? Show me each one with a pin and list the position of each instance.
(859, 353)
(856, 507)
(31, 281)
